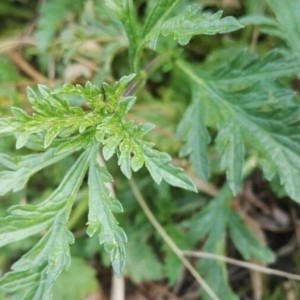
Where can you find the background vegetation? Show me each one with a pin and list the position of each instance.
(223, 93)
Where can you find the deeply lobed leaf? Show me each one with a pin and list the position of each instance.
(158, 164)
(193, 132)
(193, 21)
(24, 167)
(288, 21)
(264, 116)
(101, 218)
(44, 262)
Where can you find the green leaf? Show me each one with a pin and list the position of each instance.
(13, 230)
(216, 274)
(287, 15)
(6, 126)
(43, 263)
(193, 21)
(158, 164)
(75, 143)
(8, 162)
(23, 279)
(124, 160)
(25, 167)
(230, 145)
(51, 134)
(157, 12)
(245, 69)
(244, 241)
(110, 145)
(101, 218)
(52, 16)
(138, 249)
(128, 18)
(266, 115)
(115, 5)
(173, 267)
(193, 131)
(19, 114)
(77, 283)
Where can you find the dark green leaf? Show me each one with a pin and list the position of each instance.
(230, 144)
(268, 125)
(244, 241)
(245, 69)
(139, 250)
(193, 131)
(77, 283)
(215, 272)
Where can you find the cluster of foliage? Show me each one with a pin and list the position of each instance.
(228, 109)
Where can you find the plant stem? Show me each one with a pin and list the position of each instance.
(118, 283)
(142, 76)
(140, 199)
(240, 263)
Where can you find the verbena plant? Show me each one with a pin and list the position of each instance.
(237, 102)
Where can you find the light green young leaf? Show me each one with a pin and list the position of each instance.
(244, 241)
(230, 145)
(158, 164)
(124, 159)
(52, 116)
(193, 132)
(75, 143)
(114, 92)
(19, 114)
(110, 145)
(193, 21)
(51, 134)
(101, 218)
